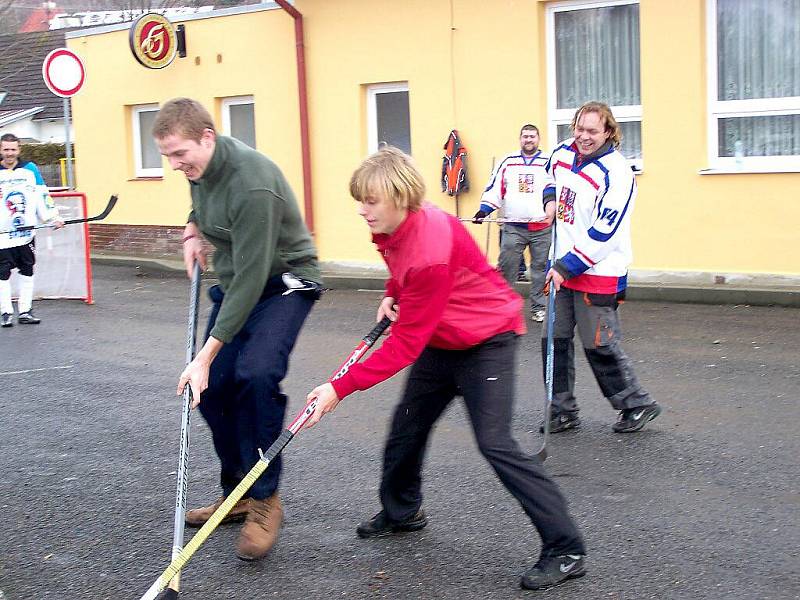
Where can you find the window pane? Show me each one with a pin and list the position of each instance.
(631, 146)
(760, 136)
(597, 56)
(758, 45)
(151, 157)
(243, 123)
(393, 125)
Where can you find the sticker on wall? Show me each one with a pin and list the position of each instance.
(153, 41)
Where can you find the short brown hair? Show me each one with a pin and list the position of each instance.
(182, 116)
(9, 137)
(605, 113)
(391, 173)
(529, 127)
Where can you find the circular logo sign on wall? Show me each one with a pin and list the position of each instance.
(153, 42)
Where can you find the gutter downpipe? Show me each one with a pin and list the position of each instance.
(302, 93)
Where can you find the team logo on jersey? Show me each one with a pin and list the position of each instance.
(15, 202)
(15, 205)
(153, 41)
(566, 206)
(526, 183)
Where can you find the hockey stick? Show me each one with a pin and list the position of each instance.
(174, 587)
(472, 220)
(111, 202)
(489, 229)
(549, 365)
(267, 457)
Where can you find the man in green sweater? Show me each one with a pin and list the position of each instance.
(269, 279)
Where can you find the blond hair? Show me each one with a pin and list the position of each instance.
(602, 109)
(184, 117)
(389, 173)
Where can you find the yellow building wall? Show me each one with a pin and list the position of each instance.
(475, 65)
(470, 65)
(247, 54)
(684, 221)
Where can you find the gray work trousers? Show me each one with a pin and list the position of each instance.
(595, 316)
(515, 240)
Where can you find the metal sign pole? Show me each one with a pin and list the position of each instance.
(68, 145)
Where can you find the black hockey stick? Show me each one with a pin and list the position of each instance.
(266, 458)
(111, 202)
(549, 365)
(174, 588)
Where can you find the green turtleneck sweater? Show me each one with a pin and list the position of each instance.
(244, 206)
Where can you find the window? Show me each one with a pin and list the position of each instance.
(388, 117)
(593, 54)
(754, 84)
(239, 119)
(146, 157)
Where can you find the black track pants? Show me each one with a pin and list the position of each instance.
(484, 376)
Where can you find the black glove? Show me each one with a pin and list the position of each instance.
(479, 216)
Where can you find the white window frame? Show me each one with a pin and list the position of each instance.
(226, 112)
(372, 109)
(563, 116)
(720, 109)
(139, 170)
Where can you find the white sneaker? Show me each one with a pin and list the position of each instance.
(538, 315)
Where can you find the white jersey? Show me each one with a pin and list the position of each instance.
(24, 200)
(517, 185)
(595, 201)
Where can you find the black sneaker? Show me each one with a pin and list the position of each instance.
(561, 422)
(552, 571)
(379, 526)
(27, 318)
(634, 419)
(7, 320)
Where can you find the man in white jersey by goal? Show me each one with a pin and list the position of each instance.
(24, 201)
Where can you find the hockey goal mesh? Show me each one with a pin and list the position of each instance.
(63, 269)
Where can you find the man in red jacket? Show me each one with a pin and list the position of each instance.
(455, 318)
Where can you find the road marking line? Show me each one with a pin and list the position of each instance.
(34, 370)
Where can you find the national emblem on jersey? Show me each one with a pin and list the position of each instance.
(566, 206)
(14, 202)
(526, 183)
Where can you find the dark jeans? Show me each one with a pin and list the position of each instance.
(484, 376)
(243, 405)
(595, 316)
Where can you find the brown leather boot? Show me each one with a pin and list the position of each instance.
(260, 530)
(197, 517)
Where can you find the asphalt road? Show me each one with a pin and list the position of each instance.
(702, 504)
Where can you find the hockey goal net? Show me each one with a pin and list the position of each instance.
(63, 268)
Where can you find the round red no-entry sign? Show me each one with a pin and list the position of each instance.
(63, 72)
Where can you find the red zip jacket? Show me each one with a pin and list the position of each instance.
(448, 296)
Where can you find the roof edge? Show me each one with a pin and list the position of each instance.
(18, 115)
(222, 12)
